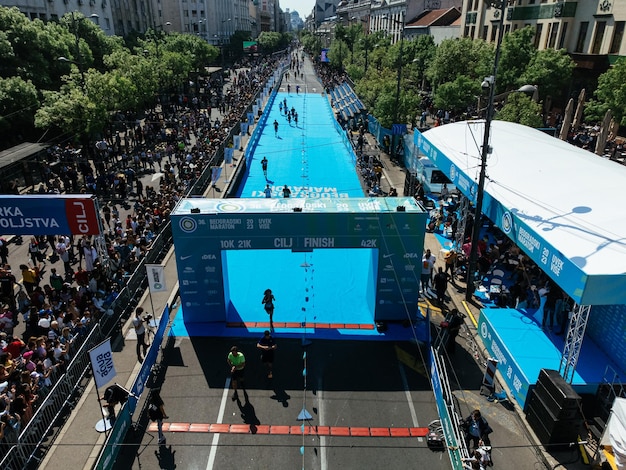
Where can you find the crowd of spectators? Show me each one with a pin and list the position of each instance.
(175, 142)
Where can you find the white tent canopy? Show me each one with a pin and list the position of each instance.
(615, 432)
(559, 203)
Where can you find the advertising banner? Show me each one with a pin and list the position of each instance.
(444, 415)
(512, 374)
(48, 215)
(156, 278)
(228, 155)
(115, 441)
(102, 363)
(216, 171)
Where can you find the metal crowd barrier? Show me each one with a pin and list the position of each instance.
(30, 448)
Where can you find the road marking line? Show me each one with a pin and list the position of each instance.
(407, 393)
(220, 418)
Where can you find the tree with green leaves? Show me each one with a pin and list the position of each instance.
(464, 56)
(351, 36)
(271, 42)
(610, 94)
(516, 54)
(550, 70)
(458, 95)
(18, 102)
(522, 109)
(311, 43)
(423, 51)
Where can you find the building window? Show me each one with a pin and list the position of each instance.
(538, 32)
(582, 36)
(494, 32)
(563, 33)
(554, 32)
(485, 32)
(618, 35)
(597, 40)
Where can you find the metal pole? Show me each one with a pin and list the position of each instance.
(396, 108)
(77, 45)
(473, 258)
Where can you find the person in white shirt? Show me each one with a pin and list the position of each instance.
(428, 264)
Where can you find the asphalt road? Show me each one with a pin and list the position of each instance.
(349, 384)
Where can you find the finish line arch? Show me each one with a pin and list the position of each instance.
(205, 229)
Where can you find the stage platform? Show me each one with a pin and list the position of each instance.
(517, 341)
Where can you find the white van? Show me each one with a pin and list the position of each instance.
(432, 178)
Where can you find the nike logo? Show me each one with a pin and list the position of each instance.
(388, 256)
(183, 258)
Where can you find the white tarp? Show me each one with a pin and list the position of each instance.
(615, 432)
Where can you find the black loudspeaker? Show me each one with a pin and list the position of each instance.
(549, 429)
(409, 183)
(561, 405)
(556, 385)
(553, 410)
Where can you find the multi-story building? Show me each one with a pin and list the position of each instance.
(98, 11)
(214, 20)
(355, 12)
(392, 16)
(592, 31)
(323, 10)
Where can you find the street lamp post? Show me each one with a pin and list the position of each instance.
(398, 81)
(490, 83)
(222, 44)
(77, 57)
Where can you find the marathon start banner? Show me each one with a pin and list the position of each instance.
(48, 215)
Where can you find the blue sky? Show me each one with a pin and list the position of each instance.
(303, 7)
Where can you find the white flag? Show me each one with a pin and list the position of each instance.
(156, 278)
(102, 363)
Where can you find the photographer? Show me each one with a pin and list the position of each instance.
(113, 395)
(452, 324)
(140, 330)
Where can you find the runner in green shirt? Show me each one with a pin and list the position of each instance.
(237, 363)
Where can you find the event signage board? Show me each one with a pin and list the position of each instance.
(444, 414)
(299, 225)
(102, 365)
(156, 278)
(48, 215)
(115, 441)
(516, 381)
(568, 275)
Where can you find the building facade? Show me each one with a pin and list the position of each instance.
(98, 11)
(592, 31)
